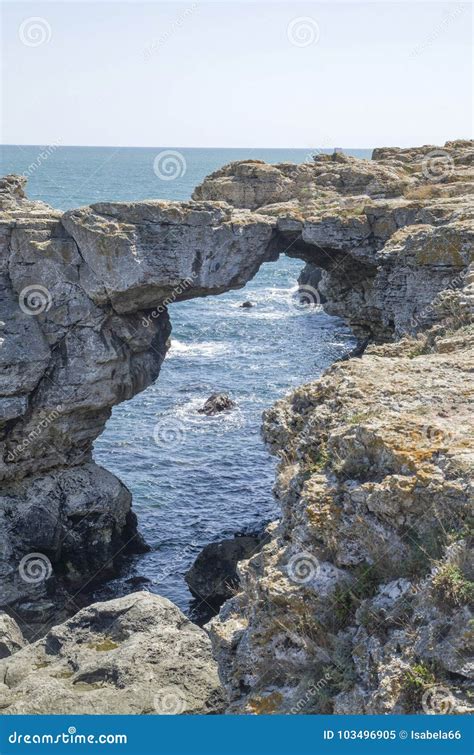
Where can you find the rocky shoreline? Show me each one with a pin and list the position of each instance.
(360, 602)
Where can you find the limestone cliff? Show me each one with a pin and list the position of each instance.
(360, 601)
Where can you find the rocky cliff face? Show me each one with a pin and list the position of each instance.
(359, 602)
(85, 326)
(362, 601)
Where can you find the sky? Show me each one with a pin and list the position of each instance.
(236, 74)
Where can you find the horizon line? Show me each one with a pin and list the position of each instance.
(147, 146)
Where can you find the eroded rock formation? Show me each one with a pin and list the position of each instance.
(362, 602)
(374, 457)
(138, 654)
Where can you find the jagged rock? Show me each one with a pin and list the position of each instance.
(253, 184)
(311, 276)
(361, 580)
(134, 655)
(218, 402)
(11, 638)
(373, 454)
(57, 532)
(213, 576)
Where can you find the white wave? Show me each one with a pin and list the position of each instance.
(200, 348)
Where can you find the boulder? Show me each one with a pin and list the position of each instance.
(134, 655)
(213, 577)
(310, 276)
(218, 402)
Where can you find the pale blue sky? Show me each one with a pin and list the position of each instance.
(200, 74)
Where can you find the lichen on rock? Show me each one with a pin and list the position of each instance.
(360, 601)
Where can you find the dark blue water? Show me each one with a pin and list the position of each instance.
(194, 478)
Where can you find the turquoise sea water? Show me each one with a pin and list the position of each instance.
(194, 478)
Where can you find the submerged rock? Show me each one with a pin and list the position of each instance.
(247, 305)
(218, 402)
(133, 655)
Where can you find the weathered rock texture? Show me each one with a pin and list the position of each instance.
(389, 234)
(213, 576)
(362, 602)
(375, 456)
(85, 326)
(11, 638)
(137, 654)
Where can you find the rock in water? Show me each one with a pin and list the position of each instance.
(11, 638)
(247, 305)
(218, 402)
(213, 577)
(133, 655)
(311, 277)
(374, 456)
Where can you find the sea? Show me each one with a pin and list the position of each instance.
(194, 479)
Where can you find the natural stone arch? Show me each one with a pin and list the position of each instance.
(97, 331)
